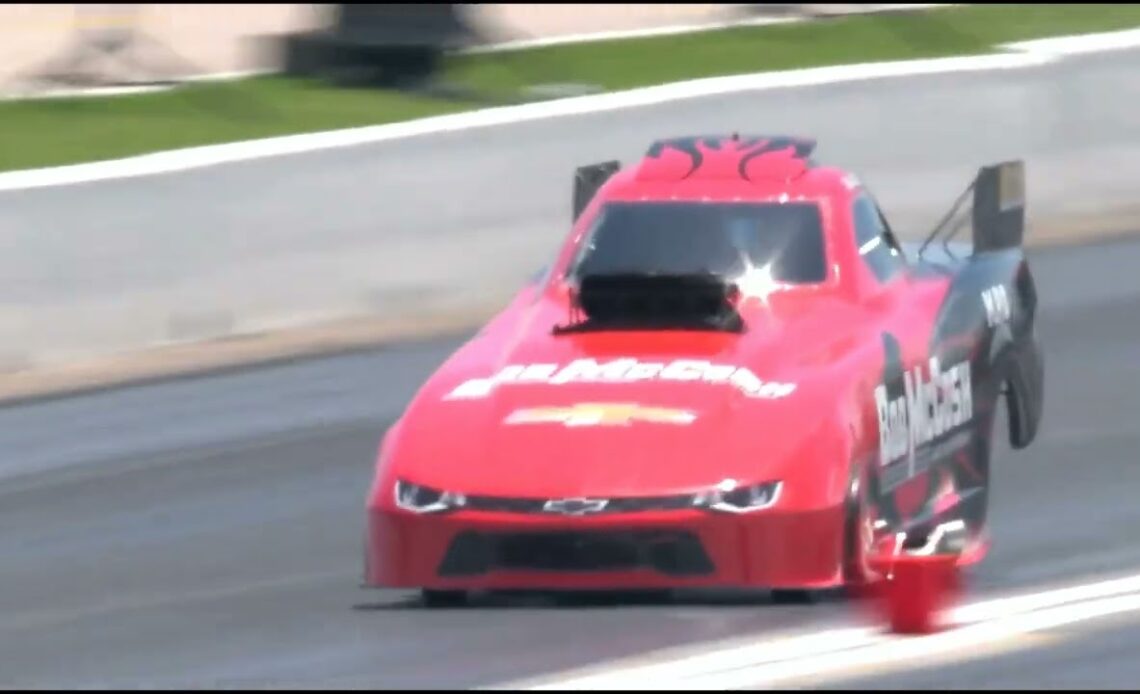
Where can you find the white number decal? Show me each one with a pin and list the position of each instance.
(997, 305)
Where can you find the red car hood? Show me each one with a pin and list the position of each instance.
(676, 436)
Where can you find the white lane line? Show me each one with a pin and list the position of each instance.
(212, 155)
(771, 651)
(853, 647)
(1004, 607)
(913, 651)
(1080, 44)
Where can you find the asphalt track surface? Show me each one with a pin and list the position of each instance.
(1098, 656)
(207, 532)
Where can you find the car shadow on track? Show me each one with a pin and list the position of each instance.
(611, 599)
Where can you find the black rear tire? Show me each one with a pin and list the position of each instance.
(856, 507)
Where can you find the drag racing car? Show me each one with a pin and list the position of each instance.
(733, 374)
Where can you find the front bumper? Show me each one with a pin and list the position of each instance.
(690, 548)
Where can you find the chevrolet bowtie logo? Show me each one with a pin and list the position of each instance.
(600, 414)
(574, 507)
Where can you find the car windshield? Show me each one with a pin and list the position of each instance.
(724, 239)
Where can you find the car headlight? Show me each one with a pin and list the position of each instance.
(755, 497)
(419, 499)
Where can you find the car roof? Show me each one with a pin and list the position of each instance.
(729, 167)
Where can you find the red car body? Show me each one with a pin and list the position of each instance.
(782, 451)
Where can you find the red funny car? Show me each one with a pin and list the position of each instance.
(732, 375)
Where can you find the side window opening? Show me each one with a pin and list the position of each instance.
(877, 245)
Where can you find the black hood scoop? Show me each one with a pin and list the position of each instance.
(611, 302)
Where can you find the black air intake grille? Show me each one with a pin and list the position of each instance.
(672, 553)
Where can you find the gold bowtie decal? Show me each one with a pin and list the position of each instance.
(600, 414)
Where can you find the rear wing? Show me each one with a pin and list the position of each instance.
(998, 210)
(587, 181)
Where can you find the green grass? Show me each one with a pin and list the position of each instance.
(60, 131)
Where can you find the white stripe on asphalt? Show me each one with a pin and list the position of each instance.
(1080, 44)
(833, 652)
(757, 653)
(905, 651)
(1004, 607)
